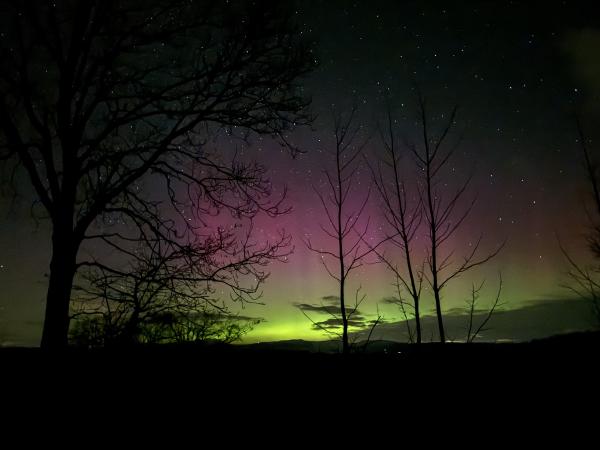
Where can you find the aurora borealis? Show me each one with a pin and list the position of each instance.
(518, 70)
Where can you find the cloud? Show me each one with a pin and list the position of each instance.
(330, 304)
(537, 319)
(331, 299)
(390, 301)
(356, 319)
(335, 323)
(320, 309)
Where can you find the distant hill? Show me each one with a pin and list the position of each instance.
(583, 339)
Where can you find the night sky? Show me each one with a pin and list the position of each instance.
(519, 72)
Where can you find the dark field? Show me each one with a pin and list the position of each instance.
(263, 385)
(296, 365)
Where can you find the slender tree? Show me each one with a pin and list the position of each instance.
(403, 220)
(344, 218)
(100, 101)
(584, 280)
(474, 330)
(443, 213)
(591, 170)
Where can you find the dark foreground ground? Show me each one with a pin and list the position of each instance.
(291, 397)
(298, 363)
(289, 382)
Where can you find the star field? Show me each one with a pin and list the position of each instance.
(518, 72)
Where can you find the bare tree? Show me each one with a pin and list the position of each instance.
(584, 280)
(443, 213)
(172, 290)
(403, 220)
(169, 327)
(373, 324)
(103, 103)
(472, 332)
(330, 322)
(343, 219)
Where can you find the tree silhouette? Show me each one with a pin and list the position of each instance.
(170, 290)
(474, 330)
(103, 103)
(343, 219)
(443, 214)
(585, 279)
(403, 220)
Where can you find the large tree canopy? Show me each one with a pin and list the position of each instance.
(101, 99)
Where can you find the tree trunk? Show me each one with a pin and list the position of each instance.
(440, 320)
(418, 320)
(345, 345)
(62, 272)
